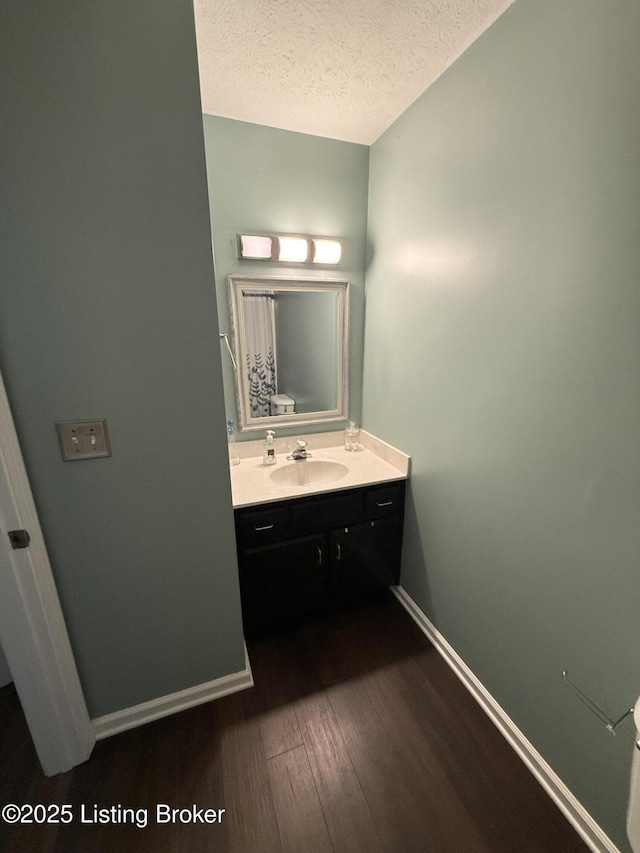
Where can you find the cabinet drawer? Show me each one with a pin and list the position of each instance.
(263, 526)
(384, 500)
(339, 509)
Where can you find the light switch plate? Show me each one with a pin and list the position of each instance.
(83, 439)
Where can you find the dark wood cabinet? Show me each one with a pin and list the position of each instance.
(304, 556)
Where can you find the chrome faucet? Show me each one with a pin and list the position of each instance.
(301, 451)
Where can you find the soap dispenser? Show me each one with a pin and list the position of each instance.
(269, 453)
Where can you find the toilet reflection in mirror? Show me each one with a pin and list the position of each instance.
(291, 349)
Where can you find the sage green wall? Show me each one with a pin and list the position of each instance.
(108, 310)
(502, 352)
(265, 180)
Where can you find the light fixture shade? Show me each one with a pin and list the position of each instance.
(326, 252)
(293, 249)
(255, 247)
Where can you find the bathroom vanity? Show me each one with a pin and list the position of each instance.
(305, 547)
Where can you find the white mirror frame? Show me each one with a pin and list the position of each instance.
(299, 284)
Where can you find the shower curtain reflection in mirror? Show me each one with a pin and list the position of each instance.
(259, 318)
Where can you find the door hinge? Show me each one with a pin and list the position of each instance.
(19, 539)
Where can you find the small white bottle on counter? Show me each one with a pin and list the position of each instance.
(269, 453)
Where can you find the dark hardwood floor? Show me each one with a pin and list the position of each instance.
(356, 738)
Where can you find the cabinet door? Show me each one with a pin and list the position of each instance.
(281, 583)
(365, 559)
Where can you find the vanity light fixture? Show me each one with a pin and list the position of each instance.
(289, 248)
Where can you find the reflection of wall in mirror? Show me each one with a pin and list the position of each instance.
(307, 349)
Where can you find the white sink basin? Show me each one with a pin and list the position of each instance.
(308, 472)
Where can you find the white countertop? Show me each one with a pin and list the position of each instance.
(375, 462)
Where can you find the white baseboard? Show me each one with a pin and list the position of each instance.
(571, 807)
(163, 706)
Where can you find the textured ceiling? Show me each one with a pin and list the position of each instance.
(345, 69)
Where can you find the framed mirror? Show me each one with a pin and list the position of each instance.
(291, 343)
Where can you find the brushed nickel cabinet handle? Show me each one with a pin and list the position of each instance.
(384, 503)
(266, 527)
